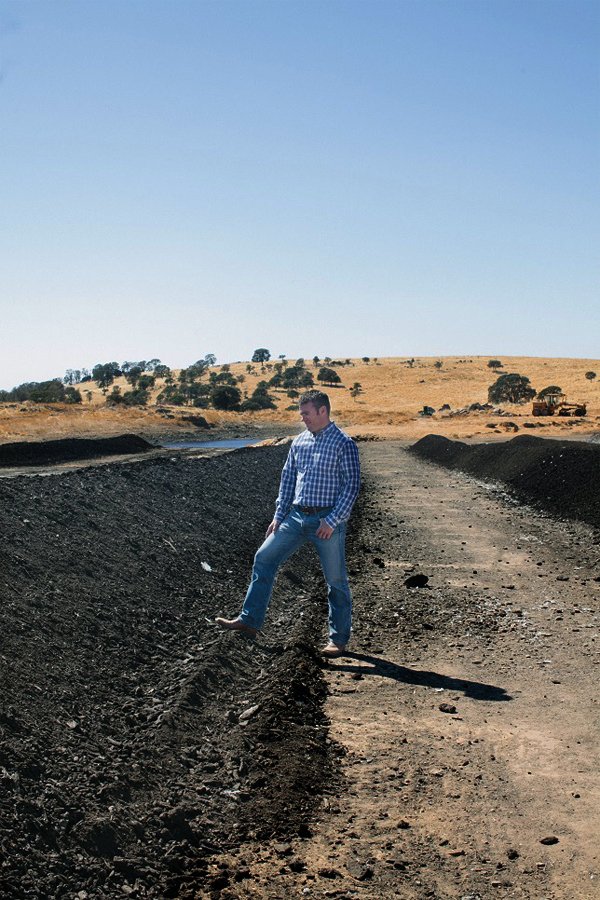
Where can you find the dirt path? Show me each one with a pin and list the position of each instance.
(498, 795)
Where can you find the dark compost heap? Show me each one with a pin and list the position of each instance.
(136, 738)
(560, 477)
(41, 453)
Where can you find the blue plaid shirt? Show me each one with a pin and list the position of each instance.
(322, 469)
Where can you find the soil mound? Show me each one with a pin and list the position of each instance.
(560, 477)
(41, 453)
(136, 738)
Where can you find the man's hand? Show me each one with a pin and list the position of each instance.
(272, 528)
(324, 530)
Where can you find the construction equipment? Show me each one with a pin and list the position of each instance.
(557, 405)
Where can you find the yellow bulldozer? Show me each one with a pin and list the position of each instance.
(557, 405)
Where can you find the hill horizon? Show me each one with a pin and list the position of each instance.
(393, 393)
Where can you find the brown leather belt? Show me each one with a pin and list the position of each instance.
(311, 510)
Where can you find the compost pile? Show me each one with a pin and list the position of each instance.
(40, 453)
(560, 477)
(136, 739)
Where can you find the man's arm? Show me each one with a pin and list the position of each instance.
(350, 471)
(287, 487)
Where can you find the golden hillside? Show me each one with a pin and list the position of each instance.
(393, 394)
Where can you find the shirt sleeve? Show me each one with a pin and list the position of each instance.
(287, 488)
(350, 485)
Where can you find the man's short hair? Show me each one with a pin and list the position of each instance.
(317, 398)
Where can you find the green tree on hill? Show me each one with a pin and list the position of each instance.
(355, 390)
(551, 389)
(222, 378)
(52, 391)
(262, 355)
(133, 374)
(511, 388)
(260, 399)
(328, 376)
(72, 395)
(226, 397)
(137, 397)
(297, 377)
(105, 373)
(72, 376)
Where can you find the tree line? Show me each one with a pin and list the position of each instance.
(198, 385)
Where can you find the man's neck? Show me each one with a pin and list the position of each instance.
(321, 430)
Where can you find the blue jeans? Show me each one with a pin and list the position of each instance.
(295, 530)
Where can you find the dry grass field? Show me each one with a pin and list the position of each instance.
(393, 395)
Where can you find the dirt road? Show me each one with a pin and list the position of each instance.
(452, 754)
(467, 713)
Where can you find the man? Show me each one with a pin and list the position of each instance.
(319, 484)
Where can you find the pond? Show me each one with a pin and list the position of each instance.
(232, 444)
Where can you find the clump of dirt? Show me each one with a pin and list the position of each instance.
(136, 739)
(41, 453)
(560, 477)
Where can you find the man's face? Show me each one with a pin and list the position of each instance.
(314, 419)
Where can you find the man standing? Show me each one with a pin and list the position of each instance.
(319, 484)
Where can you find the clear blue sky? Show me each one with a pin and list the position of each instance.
(333, 178)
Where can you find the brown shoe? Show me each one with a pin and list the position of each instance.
(237, 625)
(332, 650)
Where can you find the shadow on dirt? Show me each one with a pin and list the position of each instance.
(475, 689)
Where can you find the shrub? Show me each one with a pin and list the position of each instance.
(260, 399)
(226, 396)
(250, 406)
(39, 391)
(137, 397)
(590, 376)
(72, 395)
(172, 395)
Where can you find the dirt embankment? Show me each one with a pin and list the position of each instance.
(135, 739)
(41, 453)
(558, 476)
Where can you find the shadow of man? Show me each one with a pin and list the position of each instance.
(475, 689)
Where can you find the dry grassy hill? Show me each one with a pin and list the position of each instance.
(393, 394)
